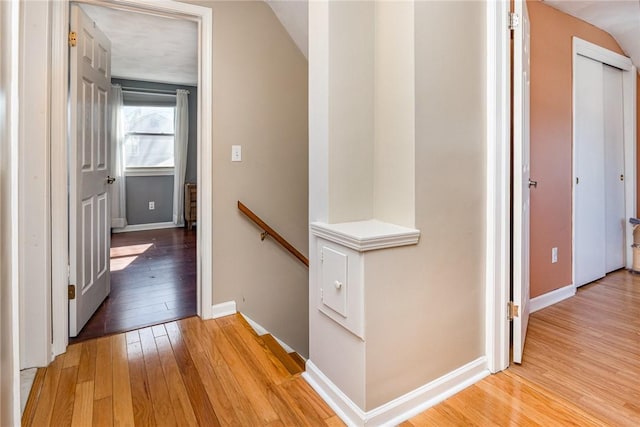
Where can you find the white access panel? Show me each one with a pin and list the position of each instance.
(334, 280)
(341, 286)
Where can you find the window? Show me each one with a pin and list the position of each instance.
(149, 139)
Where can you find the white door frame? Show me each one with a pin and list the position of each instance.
(498, 186)
(59, 161)
(606, 56)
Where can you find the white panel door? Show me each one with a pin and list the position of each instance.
(521, 179)
(614, 169)
(89, 222)
(589, 215)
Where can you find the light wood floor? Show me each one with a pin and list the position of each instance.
(581, 367)
(185, 373)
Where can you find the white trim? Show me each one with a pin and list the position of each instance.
(599, 53)
(223, 309)
(401, 408)
(498, 216)
(144, 227)
(59, 181)
(366, 235)
(550, 298)
(149, 171)
(629, 73)
(260, 330)
(57, 110)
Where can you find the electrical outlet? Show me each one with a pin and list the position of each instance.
(554, 255)
(152, 205)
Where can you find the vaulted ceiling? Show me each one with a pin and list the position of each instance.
(155, 48)
(620, 18)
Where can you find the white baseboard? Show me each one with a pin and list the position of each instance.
(223, 309)
(550, 298)
(260, 330)
(402, 408)
(144, 227)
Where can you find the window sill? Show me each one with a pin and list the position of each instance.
(149, 171)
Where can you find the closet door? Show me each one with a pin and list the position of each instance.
(614, 168)
(589, 182)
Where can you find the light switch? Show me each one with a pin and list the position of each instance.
(236, 153)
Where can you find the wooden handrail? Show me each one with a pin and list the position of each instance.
(268, 231)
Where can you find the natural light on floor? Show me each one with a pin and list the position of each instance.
(123, 256)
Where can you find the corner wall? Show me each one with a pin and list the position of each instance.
(260, 102)
(551, 140)
(435, 322)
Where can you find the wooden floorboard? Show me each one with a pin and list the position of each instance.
(581, 367)
(153, 281)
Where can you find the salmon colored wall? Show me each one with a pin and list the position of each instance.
(551, 140)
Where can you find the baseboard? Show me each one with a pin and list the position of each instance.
(223, 309)
(144, 227)
(402, 408)
(261, 330)
(550, 298)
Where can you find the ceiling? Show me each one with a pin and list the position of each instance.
(161, 49)
(148, 47)
(620, 18)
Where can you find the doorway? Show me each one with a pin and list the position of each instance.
(60, 19)
(142, 135)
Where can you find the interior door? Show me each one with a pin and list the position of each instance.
(89, 222)
(614, 168)
(589, 190)
(521, 178)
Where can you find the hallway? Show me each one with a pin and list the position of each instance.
(581, 366)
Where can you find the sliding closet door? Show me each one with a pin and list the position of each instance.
(614, 168)
(589, 183)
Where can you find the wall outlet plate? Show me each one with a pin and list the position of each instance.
(236, 153)
(554, 255)
(152, 205)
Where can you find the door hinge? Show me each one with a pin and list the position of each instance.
(73, 38)
(514, 20)
(72, 292)
(513, 310)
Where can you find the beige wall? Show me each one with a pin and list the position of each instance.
(260, 102)
(351, 110)
(551, 140)
(425, 304)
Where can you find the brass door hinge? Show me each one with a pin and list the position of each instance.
(72, 292)
(73, 38)
(513, 310)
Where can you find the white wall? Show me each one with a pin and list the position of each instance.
(9, 351)
(34, 173)
(424, 304)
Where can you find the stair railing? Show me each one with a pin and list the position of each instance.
(268, 231)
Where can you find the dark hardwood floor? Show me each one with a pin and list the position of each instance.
(153, 280)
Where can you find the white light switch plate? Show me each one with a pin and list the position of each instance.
(236, 153)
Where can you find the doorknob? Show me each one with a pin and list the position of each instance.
(110, 180)
(532, 183)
